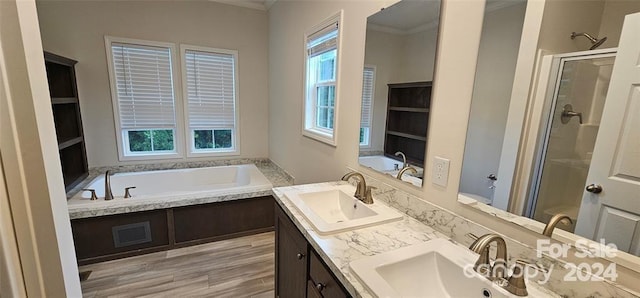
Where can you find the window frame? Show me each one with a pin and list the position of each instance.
(368, 134)
(310, 101)
(235, 134)
(124, 154)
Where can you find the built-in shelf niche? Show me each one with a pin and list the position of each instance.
(66, 117)
(407, 120)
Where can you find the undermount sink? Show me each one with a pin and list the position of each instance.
(335, 209)
(435, 268)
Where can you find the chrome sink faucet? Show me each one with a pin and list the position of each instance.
(553, 222)
(404, 158)
(363, 192)
(108, 195)
(407, 168)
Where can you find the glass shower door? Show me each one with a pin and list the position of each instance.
(571, 132)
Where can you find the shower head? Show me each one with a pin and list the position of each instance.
(594, 42)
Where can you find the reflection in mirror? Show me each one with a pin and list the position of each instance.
(570, 167)
(397, 78)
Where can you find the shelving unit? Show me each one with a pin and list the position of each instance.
(407, 120)
(66, 117)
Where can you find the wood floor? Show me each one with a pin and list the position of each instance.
(241, 267)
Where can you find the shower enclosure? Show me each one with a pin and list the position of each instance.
(569, 133)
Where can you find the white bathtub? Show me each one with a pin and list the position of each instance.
(380, 163)
(385, 164)
(174, 185)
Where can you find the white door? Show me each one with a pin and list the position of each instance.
(614, 213)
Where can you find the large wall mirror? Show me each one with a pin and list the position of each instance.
(567, 173)
(399, 61)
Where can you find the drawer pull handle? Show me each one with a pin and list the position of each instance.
(300, 256)
(320, 287)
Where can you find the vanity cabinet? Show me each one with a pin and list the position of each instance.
(61, 77)
(299, 270)
(407, 120)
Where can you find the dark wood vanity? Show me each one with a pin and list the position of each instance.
(300, 272)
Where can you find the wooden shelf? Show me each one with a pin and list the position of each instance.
(61, 77)
(63, 100)
(68, 143)
(406, 109)
(407, 119)
(406, 135)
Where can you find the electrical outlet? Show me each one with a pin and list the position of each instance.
(440, 174)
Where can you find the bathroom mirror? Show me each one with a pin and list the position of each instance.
(398, 71)
(554, 140)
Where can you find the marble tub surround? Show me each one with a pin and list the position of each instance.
(273, 173)
(459, 229)
(340, 249)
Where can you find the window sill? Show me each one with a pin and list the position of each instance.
(320, 136)
(132, 157)
(235, 152)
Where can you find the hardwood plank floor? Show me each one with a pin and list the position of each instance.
(241, 267)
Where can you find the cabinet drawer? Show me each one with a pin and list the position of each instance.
(322, 279)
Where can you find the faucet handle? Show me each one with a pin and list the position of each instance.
(516, 284)
(93, 193)
(127, 194)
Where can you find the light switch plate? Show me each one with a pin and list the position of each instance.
(440, 174)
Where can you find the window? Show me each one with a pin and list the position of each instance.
(210, 95)
(320, 103)
(143, 96)
(368, 83)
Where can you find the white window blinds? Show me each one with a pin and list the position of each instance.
(144, 86)
(322, 41)
(210, 89)
(367, 96)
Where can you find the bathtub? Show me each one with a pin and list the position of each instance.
(384, 164)
(171, 188)
(380, 163)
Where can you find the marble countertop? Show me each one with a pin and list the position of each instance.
(274, 174)
(338, 250)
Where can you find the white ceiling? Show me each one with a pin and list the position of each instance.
(255, 4)
(407, 16)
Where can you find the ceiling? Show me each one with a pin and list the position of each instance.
(407, 16)
(254, 4)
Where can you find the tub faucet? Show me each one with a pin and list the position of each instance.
(483, 265)
(404, 158)
(407, 168)
(108, 195)
(363, 192)
(553, 222)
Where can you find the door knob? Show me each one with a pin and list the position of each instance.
(594, 188)
(300, 256)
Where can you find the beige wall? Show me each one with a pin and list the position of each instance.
(563, 17)
(398, 58)
(384, 51)
(76, 29)
(612, 19)
(501, 33)
(311, 161)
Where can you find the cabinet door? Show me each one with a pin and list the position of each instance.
(291, 258)
(322, 280)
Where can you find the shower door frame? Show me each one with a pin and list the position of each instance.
(548, 110)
